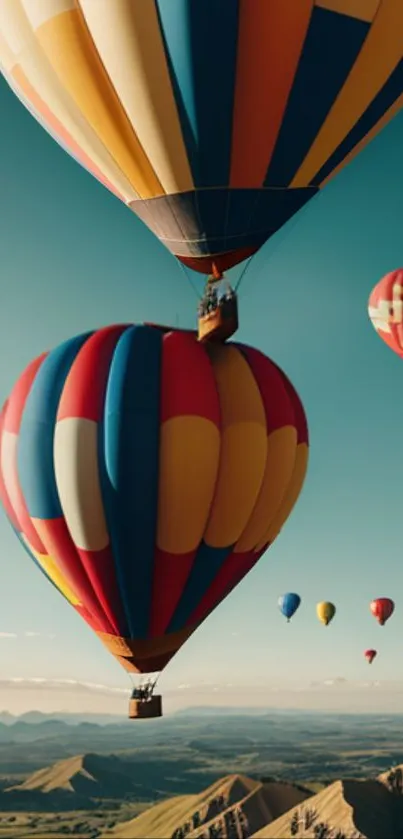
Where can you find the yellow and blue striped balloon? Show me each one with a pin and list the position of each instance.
(214, 121)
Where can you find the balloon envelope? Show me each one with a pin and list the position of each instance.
(325, 612)
(146, 473)
(382, 608)
(214, 122)
(288, 604)
(370, 655)
(385, 309)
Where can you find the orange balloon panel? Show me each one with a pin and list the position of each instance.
(145, 474)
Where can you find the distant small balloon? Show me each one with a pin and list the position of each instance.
(382, 609)
(288, 604)
(370, 655)
(385, 309)
(325, 612)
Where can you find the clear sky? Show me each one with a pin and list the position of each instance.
(73, 258)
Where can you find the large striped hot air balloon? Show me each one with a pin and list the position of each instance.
(146, 473)
(214, 121)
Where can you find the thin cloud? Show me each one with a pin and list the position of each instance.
(28, 634)
(345, 685)
(31, 634)
(70, 685)
(204, 686)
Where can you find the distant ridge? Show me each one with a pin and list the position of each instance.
(78, 783)
(87, 775)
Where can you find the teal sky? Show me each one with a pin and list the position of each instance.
(73, 258)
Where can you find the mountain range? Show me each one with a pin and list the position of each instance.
(233, 807)
(237, 807)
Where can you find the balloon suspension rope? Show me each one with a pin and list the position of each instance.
(279, 242)
(189, 278)
(133, 678)
(244, 272)
(193, 287)
(281, 238)
(154, 683)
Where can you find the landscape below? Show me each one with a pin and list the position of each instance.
(202, 773)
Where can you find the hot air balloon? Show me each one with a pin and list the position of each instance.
(370, 655)
(325, 612)
(382, 609)
(146, 473)
(385, 309)
(214, 122)
(288, 604)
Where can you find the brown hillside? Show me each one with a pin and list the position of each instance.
(355, 808)
(233, 803)
(87, 775)
(65, 775)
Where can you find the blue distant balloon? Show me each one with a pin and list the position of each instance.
(288, 604)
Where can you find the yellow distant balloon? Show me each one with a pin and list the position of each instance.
(325, 612)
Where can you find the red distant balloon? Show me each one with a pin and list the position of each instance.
(382, 608)
(370, 655)
(385, 309)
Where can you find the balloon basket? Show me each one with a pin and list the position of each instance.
(140, 709)
(221, 323)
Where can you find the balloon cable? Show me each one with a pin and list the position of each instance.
(245, 269)
(278, 243)
(188, 277)
(285, 233)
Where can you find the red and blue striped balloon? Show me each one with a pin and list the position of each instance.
(146, 473)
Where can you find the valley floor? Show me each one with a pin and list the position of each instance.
(79, 824)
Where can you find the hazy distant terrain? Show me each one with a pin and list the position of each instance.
(203, 745)
(69, 776)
